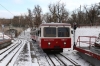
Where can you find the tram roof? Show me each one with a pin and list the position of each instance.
(55, 24)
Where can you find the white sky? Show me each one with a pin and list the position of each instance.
(18, 7)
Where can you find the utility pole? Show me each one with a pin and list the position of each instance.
(74, 27)
(3, 31)
(80, 14)
(99, 10)
(59, 13)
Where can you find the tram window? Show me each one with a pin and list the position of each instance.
(38, 33)
(71, 31)
(49, 32)
(63, 32)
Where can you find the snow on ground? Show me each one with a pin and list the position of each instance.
(5, 36)
(25, 35)
(87, 31)
(24, 39)
(24, 58)
(83, 31)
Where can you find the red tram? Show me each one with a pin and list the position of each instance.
(53, 36)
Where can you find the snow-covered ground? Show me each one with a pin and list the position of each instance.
(3, 36)
(87, 31)
(83, 31)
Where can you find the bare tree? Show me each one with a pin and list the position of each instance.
(74, 16)
(92, 14)
(47, 18)
(30, 18)
(52, 9)
(87, 16)
(37, 15)
(58, 12)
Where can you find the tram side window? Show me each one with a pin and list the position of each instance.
(33, 33)
(38, 33)
(63, 32)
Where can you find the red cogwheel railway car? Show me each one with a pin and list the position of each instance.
(53, 36)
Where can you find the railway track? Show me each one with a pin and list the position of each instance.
(61, 60)
(25, 53)
(9, 47)
(55, 61)
(24, 56)
(7, 55)
(52, 59)
(66, 60)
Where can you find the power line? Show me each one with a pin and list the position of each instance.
(7, 9)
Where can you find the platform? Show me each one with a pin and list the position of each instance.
(93, 49)
(90, 53)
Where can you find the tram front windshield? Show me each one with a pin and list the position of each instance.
(63, 32)
(56, 32)
(49, 31)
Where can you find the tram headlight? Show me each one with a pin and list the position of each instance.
(49, 43)
(64, 43)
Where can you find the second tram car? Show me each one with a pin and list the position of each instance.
(53, 36)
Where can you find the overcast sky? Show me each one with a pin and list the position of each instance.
(18, 7)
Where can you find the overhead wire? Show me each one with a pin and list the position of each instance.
(7, 10)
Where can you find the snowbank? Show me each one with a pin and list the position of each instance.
(5, 36)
